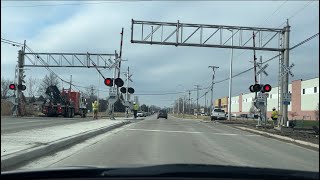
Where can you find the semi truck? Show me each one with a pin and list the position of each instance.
(67, 103)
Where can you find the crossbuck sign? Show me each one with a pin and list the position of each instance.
(262, 69)
(286, 70)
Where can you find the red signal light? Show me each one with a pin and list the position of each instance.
(267, 88)
(108, 82)
(12, 86)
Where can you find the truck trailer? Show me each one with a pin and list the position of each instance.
(67, 103)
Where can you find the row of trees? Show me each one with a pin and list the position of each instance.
(150, 108)
(178, 106)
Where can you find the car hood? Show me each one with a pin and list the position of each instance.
(172, 170)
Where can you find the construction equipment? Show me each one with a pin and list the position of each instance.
(67, 103)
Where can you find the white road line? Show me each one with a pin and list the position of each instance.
(156, 130)
(190, 132)
(23, 122)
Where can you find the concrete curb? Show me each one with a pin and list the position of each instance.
(281, 137)
(15, 159)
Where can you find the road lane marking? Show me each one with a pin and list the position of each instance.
(190, 132)
(5, 123)
(157, 130)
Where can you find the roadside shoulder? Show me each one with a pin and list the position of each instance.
(280, 137)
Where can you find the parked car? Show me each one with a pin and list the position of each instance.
(218, 114)
(140, 114)
(203, 114)
(162, 114)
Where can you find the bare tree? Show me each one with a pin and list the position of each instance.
(32, 86)
(48, 80)
(5, 91)
(89, 92)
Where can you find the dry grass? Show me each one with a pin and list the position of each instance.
(6, 108)
(190, 116)
(30, 111)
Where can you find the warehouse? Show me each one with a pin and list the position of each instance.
(304, 100)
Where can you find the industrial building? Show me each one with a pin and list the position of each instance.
(304, 100)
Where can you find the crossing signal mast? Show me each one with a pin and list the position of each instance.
(260, 101)
(174, 34)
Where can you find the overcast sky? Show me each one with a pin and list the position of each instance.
(96, 28)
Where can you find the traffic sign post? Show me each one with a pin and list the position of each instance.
(286, 98)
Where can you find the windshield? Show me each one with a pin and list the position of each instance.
(218, 110)
(160, 82)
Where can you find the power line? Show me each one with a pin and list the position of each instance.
(10, 43)
(293, 15)
(308, 39)
(300, 10)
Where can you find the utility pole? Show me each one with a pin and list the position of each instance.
(183, 106)
(20, 78)
(191, 105)
(205, 102)
(197, 99)
(285, 82)
(189, 102)
(70, 82)
(178, 106)
(230, 79)
(127, 99)
(20, 66)
(212, 83)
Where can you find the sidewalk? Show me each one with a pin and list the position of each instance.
(39, 142)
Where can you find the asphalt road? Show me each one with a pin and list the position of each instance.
(11, 124)
(168, 141)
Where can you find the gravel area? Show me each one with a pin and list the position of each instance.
(304, 134)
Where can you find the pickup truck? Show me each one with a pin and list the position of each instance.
(218, 114)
